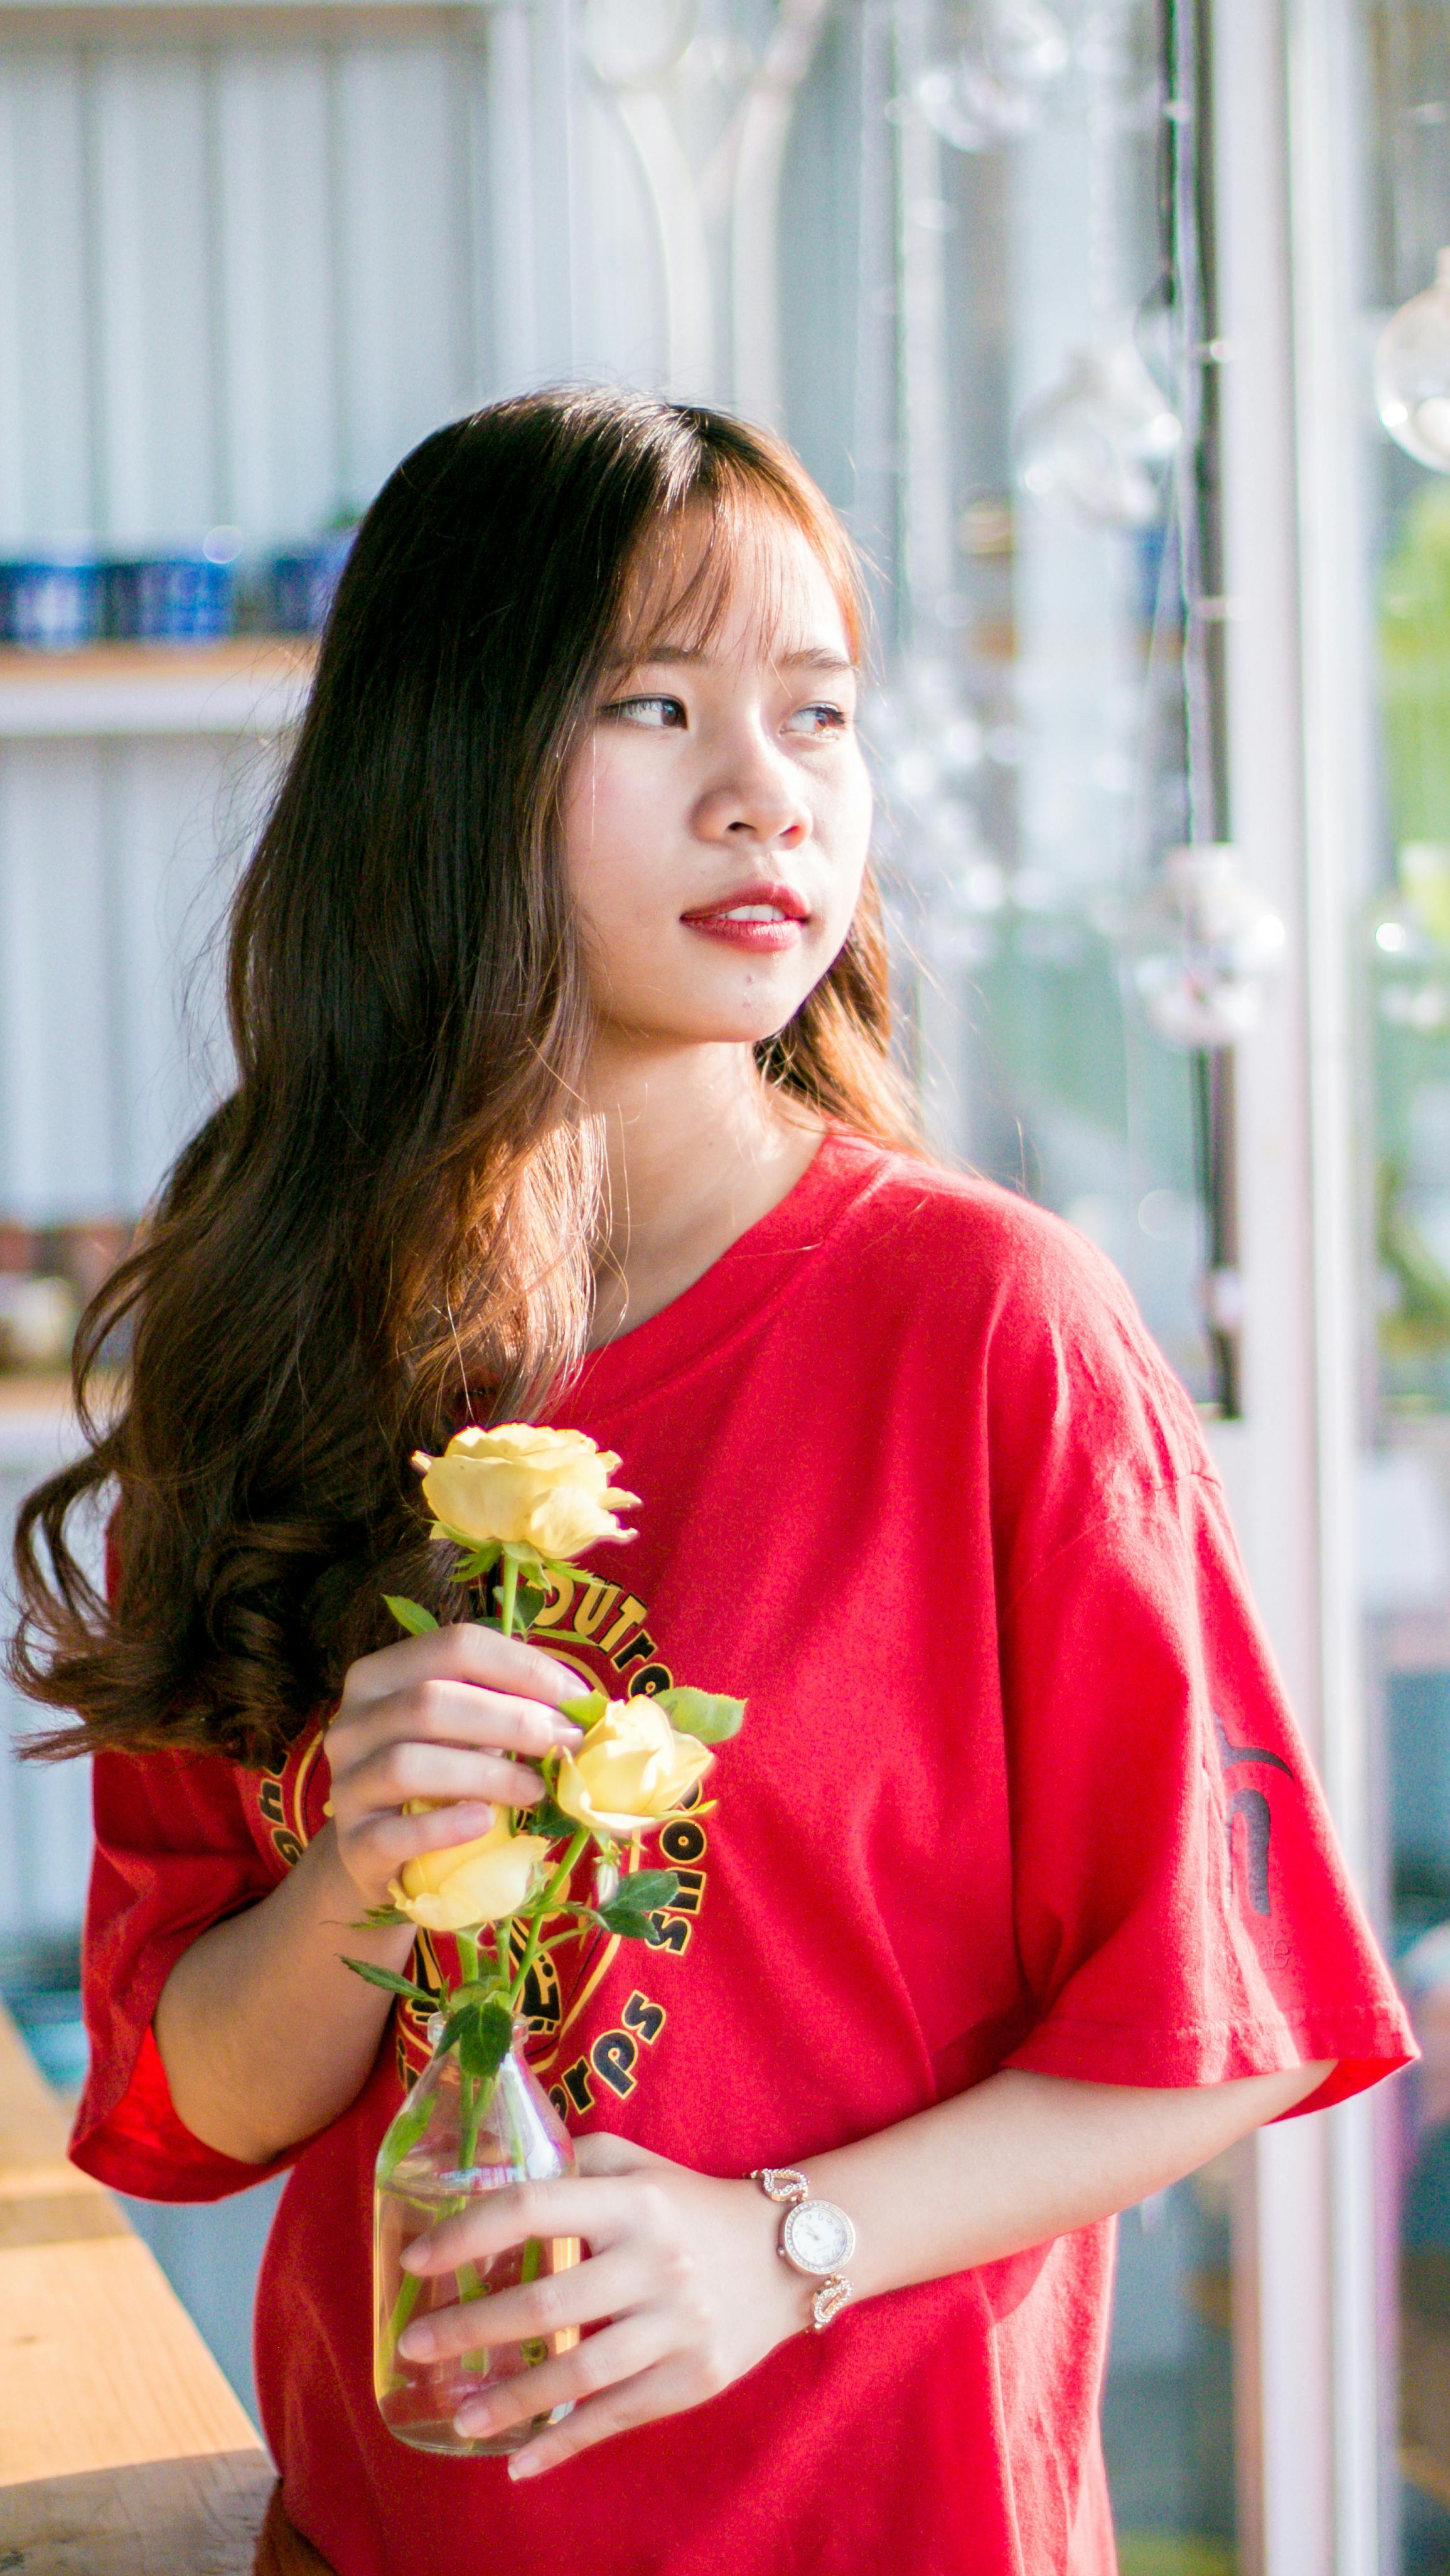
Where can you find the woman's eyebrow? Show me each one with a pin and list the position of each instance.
(815, 657)
(807, 657)
(652, 653)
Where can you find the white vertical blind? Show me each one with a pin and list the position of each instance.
(114, 863)
(277, 328)
(236, 272)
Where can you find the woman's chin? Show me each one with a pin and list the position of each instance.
(679, 1034)
(751, 1008)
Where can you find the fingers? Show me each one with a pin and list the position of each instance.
(660, 2390)
(382, 1845)
(619, 2352)
(404, 1770)
(605, 2286)
(450, 1720)
(597, 2210)
(441, 1711)
(465, 1653)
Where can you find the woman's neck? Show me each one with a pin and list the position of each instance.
(698, 1151)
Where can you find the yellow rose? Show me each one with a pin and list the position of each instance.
(477, 1882)
(631, 1770)
(524, 1485)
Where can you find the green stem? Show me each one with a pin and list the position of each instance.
(533, 2349)
(470, 2287)
(403, 2306)
(510, 1588)
(468, 2084)
(560, 1879)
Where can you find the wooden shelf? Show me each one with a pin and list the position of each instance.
(251, 684)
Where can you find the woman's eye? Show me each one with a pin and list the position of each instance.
(659, 714)
(817, 720)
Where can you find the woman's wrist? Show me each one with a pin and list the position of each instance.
(339, 1906)
(782, 2296)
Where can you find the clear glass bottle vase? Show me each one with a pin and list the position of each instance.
(456, 2138)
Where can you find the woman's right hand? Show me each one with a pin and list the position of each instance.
(455, 1716)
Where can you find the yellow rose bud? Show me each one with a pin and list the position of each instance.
(631, 1770)
(477, 1882)
(524, 1485)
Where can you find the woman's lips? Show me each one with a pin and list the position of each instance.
(773, 919)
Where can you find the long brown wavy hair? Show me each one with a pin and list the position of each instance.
(391, 1221)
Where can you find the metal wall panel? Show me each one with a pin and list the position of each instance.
(237, 274)
(45, 355)
(114, 863)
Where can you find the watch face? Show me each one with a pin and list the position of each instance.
(817, 2237)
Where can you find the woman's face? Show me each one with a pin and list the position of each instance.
(717, 815)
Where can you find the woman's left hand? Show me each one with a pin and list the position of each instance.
(683, 2268)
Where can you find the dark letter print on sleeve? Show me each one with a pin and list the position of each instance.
(1254, 1808)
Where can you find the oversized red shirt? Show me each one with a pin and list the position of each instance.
(1017, 1787)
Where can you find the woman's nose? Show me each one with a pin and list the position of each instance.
(760, 802)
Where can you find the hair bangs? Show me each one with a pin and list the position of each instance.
(690, 552)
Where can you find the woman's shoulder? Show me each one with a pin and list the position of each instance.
(1001, 1294)
(974, 1239)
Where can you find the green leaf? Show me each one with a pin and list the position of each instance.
(638, 1898)
(477, 1991)
(528, 1602)
(484, 2032)
(548, 1819)
(404, 2134)
(391, 1985)
(707, 1715)
(381, 1918)
(587, 1711)
(411, 1615)
(475, 1563)
(524, 1556)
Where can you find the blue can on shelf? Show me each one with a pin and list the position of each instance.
(177, 597)
(52, 603)
(304, 583)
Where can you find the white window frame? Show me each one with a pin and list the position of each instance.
(1311, 2317)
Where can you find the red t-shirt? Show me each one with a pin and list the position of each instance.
(1017, 1787)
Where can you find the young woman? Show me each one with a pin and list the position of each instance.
(559, 1007)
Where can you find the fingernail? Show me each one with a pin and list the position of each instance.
(415, 2343)
(566, 1732)
(521, 2466)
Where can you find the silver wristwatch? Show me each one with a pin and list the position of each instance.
(816, 2238)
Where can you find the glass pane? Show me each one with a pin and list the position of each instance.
(1403, 945)
(1168, 2415)
(1034, 731)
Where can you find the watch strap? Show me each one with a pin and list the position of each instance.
(782, 2183)
(788, 2187)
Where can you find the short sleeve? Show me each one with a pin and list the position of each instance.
(173, 1855)
(1183, 1913)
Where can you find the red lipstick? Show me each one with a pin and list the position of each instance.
(765, 917)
